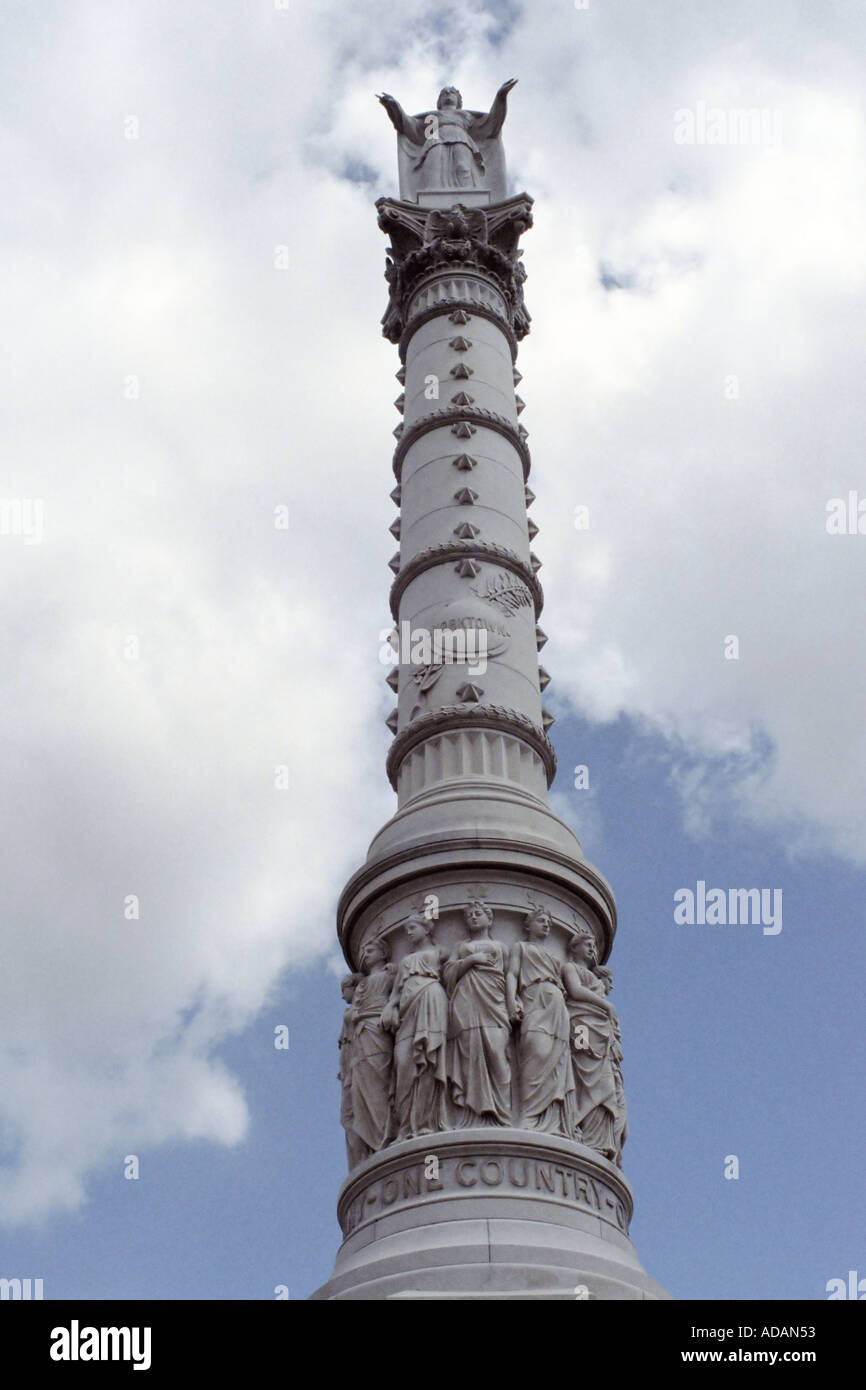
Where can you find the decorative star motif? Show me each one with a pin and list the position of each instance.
(532, 528)
(391, 721)
(543, 678)
(546, 718)
(466, 531)
(540, 638)
(459, 316)
(462, 429)
(535, 562)
(401, 376)
(394, 528)
(518, 401)
(461, 371)
(466, 496)
(393, 678)
(395, 495)
(461, 398)
(397, 431)
(465, 462)
(400, 402)
(470, 694)
(460, 344)
(529, 495)
(394, 563)
(517, 377)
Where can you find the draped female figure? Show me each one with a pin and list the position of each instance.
(479, 1033)
(417, 1012)
(537, 1004)
(596, 1051)
(373, 1055)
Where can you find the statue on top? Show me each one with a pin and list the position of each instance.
(450, 148)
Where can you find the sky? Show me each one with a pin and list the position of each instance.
(193, 702)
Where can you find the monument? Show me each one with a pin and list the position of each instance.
(480, 1056)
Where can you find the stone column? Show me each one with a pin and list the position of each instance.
(500, 1176)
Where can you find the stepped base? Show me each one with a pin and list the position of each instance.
(487, 1214)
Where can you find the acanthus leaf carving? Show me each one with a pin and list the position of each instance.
(455, 239)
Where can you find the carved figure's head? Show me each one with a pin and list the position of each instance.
(477, 915)
(375, 952)
(419, 929)
(582, 949)
(537, 923)
(449, 96)
(348, 985)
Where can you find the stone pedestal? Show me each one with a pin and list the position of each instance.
(476, 1214)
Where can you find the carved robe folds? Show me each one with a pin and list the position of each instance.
(419, 1047)
(596, 1056)
(546, 1079)
(479, 1034)
(372, 1059)
(451, 158)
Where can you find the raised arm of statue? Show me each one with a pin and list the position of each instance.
(409, 126)
(491, 124)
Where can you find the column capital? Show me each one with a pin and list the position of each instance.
(476, 240)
